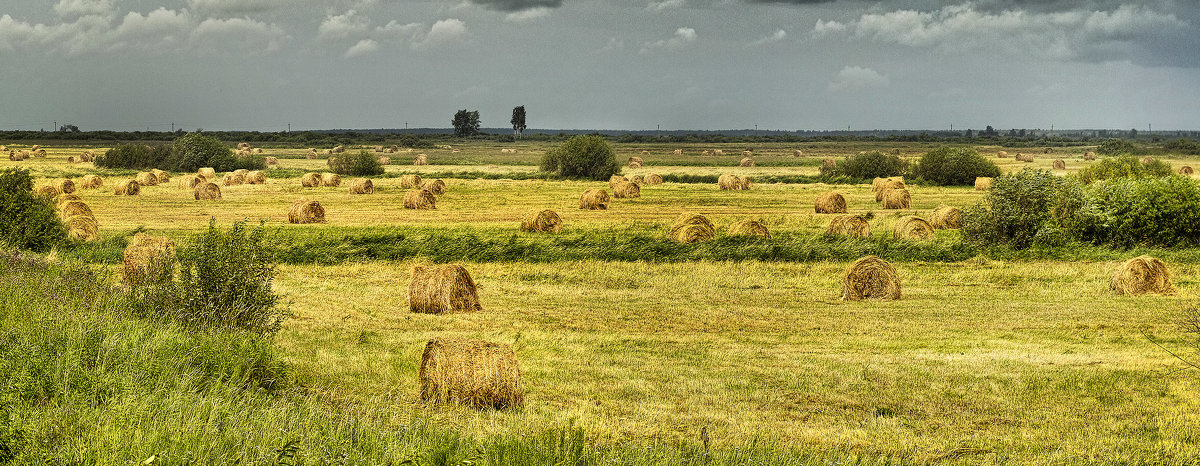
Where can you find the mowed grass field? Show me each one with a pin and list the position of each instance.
(1005, 362)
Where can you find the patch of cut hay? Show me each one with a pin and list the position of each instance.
(206, 191)
(849, 225)
(542, 221)
(162, 176)
(830, 203)
(652, 179)
(473, 373)
(437, 187)
(410, 181)
(983, 183)
(208, 173)
(692, 228)
(729, 182)
(746, 162)
(361, 186)
(310, 180)
(271, 160)
(147, 179)
(896, 199)
(48, 191)
(749, 228)
(594, 199)
(912, 228)
(420, 199)
(81, 227)
(614, 180)
(1060, 164)
(384, 160)
(627, 190)
(256, 177)
(1141, 275)
(233, 179)
(946, 218)
(1024, 157)
(1089, 156)
(147, 256)
(127, 188)
(71, 207)
(91, 182)
(421, 159)
(306, 211)
(879, 185)
(1185, 170)
(441, 289)
(871, 278)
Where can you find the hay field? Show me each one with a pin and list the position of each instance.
(981, 361)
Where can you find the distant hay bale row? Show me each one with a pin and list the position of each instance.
(746, 162)
(1141, 275)
(627, 190)
(830, 203)
(946, 218)
(361, 186)
(849, 225)
(983, 183)
(305, 211)
(733, 182)
(146, 257)
(692, 228)
(871, 278)
(473, 373)
(1024, 157)
(420, 199)
(206, 191)
(749, 228)
(541, 221)
(508, 151)
(896, 199)
(912, 228)
(127, 188)
(594, 199)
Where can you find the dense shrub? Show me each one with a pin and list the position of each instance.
(954, 166)
(194, 150)
(409, 140)
(1127, 212)
(135, 156)
(1183, 146)
(1024, 208)
(27, 221)
(361, 164)
(1124, 166)
(582, 157)
(1115, 147)
(868, 166)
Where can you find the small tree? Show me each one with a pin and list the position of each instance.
(518, 120)
(194, 150)
(27, 221)
(868, 165)
(582, 156)
(362, 164)
(954, 166)
(466, 123)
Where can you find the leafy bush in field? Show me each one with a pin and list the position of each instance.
(1124, 166)
(868, 166)
(1126, 212)
(1183, 146)
(1115, 147)
(409, 140)
(194, 150)
(27, 221)
(135, 156)
(954, 166)
(1024, 208)
(362, 164)
(582, 157)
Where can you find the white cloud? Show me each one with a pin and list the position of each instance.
(444, 32)
(775, 37)
(342, 26)
(161, 28)
(243, 34)
(395, 30)
(527, 15)
(363, 47)
(825, 28)
(853, 78)
(666, 5)
(683, 36)
(227, 7)
(614, 43)
(74, 8)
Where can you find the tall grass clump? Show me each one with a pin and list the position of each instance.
(27, 221)
(589, 157)
(954, 166)
(1124, 166)
(868, 165)
(362, 164)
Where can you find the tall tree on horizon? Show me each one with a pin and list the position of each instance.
(518, 120)
(466, 123)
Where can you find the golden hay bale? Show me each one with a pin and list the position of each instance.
(410, 181)
(1060, 164)
(645, 152)
(310, 180)
(127, 188)
(64, 185)
(912, 228)
(35, 147)
(678, 151)
(81, 227)
(946, 218)
(749, 228)
(473, 373)
(190, 181)
(339, 149)
(73, 207)
(879, 185)
(378, 148)
(830, 203)
(1147, 160)
(65, 198)
(440, 289)
(1185, 170)
(614, 180)
(256, 177)
(719, 152)
(1049, 150)
(705, 153)
(384, 160)
(636, 179)
(271, 161)
(692, 228)
(243, 145)
(1089, 156)
(147, 179)
(871, 278)
(652, 179)
(306, 211)
(257, 150)
(849, 225)
(419, 199)
(162, 176)
(828, 163)
(797, 153)
(146, 255)
(242, 172)
(311, 155)
(1140, 275)
(39, 153)
(361, 186)
(91, 182)
(1024, 157)
(233, 179)
(208, 173)
(437, 187)
(636, 159)
(729, 182)
(87, 156)
(421, 159)
(48, 191)
(983, 183)
(746, 162)
(542, 221)
(896, 199)
(635, 165)
(207, 191)
(1002, 155)
(71, 159)
(745, 182)
(627, 190)
(594, 199)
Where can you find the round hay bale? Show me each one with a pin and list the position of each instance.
(361, 186)
(718, 151)
(542, 221)
(830, 203)
(678, 152)
(207, 191)
(419, 199)
(65, 198)
(474, 373)
(1185, 170)
(946, 218)
(339, 149)
(1147, 160)
(1024, 157)
(797, 153)
(147, 179)
(746, 162)
(637, 160)
(71, 159)
(1059, 164)
(1089, 156)
(48, 191)
(306, 211)
(983, 183)
(614, 180)
(636, 179)
(1002, 155)
(190, 181)
(310, 180)
(81, 227)
(635, 165)
(91, 182)
(384, 160)
(233, 179)
(35, 147)
(729, 182)
(440, 289)
(749, 228)
(627, 190)
(39, 153)
(652, 179)
(271, 160)
(146, 257)
(257, 150)
(849, 225)
(421, 159)
(1049, 150)
(256, 177)
(127, 188)
(594, 199)
(1141, 275)
(162, 176)
(64, 185)
(896, 199)
(437, 187)
(208, 173)
(410, 181)
(71, 208)
(871, 278)
(311, 155)
(243, 145)
(242, 172)
(879, 185)
(828, 163)
(692, 228)
(912, 228)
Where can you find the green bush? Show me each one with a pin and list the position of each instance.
(1023, 209)
(582, 157)
(194, 150)
(27, 221)
(1124, 166)
(868, 166)
(954, 166)
(1182, 146)
(409, 140)
(1127, 212)
(362, 164)
(1115, 147)
(135, 156)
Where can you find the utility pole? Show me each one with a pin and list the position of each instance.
(289, 127)
(55, 125)
(172, 126)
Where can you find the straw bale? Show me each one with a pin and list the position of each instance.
(946, 218)
(208, 173)
(719, 152)
(729, 182)
(1141, 275)
(48, 191)
(421, 159)
(983, 183)
(879, 185)
(410, 181)
(896, 199)
(636, 159)
(147, 179)
(635, 165)
(614, 180)
(652, 179)
(361, 186)
(871, 278)
(594, 199)
(797, 153)
(127, 188)
(271, 160)
(81, 227)
(64, 185)
(1147, 160)
(1024, 157)
(441, 289)
(190, 181)
(306, 211)
(310, 180)
(1089, 155)
(437, 187)
(419, 199)
(746, 162)
(233, 179)
(830, 203)
(384, 160)
(256, 177)
(68, 208)
(828, 163)
(749, 228)
(1002, 155)
(1059, 164)
(849, 225)
(1185, 170)
(912, 228)
(692, 228)
(627, 190)
(542, 221)
(147, 256)
(473, 373)
(161, 176)
(206, 191)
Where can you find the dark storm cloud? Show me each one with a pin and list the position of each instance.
(516, 5)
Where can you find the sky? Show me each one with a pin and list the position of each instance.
(601, 64)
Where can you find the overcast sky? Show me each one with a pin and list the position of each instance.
(601, 64)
